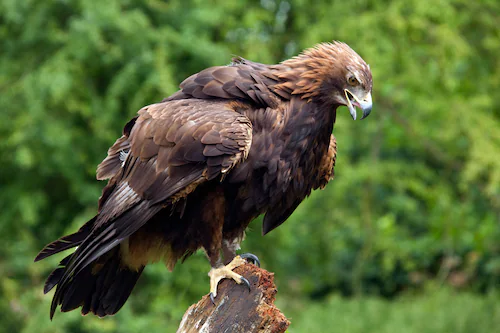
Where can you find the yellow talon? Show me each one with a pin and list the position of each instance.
(226, 272)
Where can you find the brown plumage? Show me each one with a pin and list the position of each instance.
(192, 171)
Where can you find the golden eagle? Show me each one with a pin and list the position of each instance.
(192, 171)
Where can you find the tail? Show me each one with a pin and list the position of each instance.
(102, 287)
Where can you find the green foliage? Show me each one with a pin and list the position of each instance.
(417, 189)
(438, 311)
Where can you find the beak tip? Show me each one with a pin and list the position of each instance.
(366, 112)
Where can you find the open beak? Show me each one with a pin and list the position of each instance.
(353, 101)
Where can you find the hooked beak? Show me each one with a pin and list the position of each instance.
(352, 101)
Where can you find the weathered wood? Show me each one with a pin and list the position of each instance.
(236, 309)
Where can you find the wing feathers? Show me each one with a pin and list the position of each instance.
(243, 79)
(211, 151)
(193, 152)
(112, 163)
(211, 137)
(171, 148)
(66, 242)
(162, 158)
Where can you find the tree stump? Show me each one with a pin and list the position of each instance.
(236, 309)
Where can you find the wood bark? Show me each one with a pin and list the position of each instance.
(236, 309)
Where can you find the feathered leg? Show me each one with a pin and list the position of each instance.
(213, 224)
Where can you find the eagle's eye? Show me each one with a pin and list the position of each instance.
(352, 81)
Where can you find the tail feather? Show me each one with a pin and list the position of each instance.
(100, 288)
(66, 242)
(56, 275)
(94, 276)
(76, 293)
(113, 292)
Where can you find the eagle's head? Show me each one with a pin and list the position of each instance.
(333, 74)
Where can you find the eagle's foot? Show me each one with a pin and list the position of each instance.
(226, 272)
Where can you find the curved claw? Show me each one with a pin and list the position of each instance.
(252, 258)
(242, 281)
(245, 281)
(212, 298)
(226, 272)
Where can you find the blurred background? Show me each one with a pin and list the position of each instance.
(405, 239)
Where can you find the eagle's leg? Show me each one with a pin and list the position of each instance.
(229, 249)
(214, 222)
(226, 272)
(231, 261)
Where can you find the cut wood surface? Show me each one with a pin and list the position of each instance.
(236, 308)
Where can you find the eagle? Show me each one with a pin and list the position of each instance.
(192, 172)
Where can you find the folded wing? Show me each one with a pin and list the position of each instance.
(164, 154)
